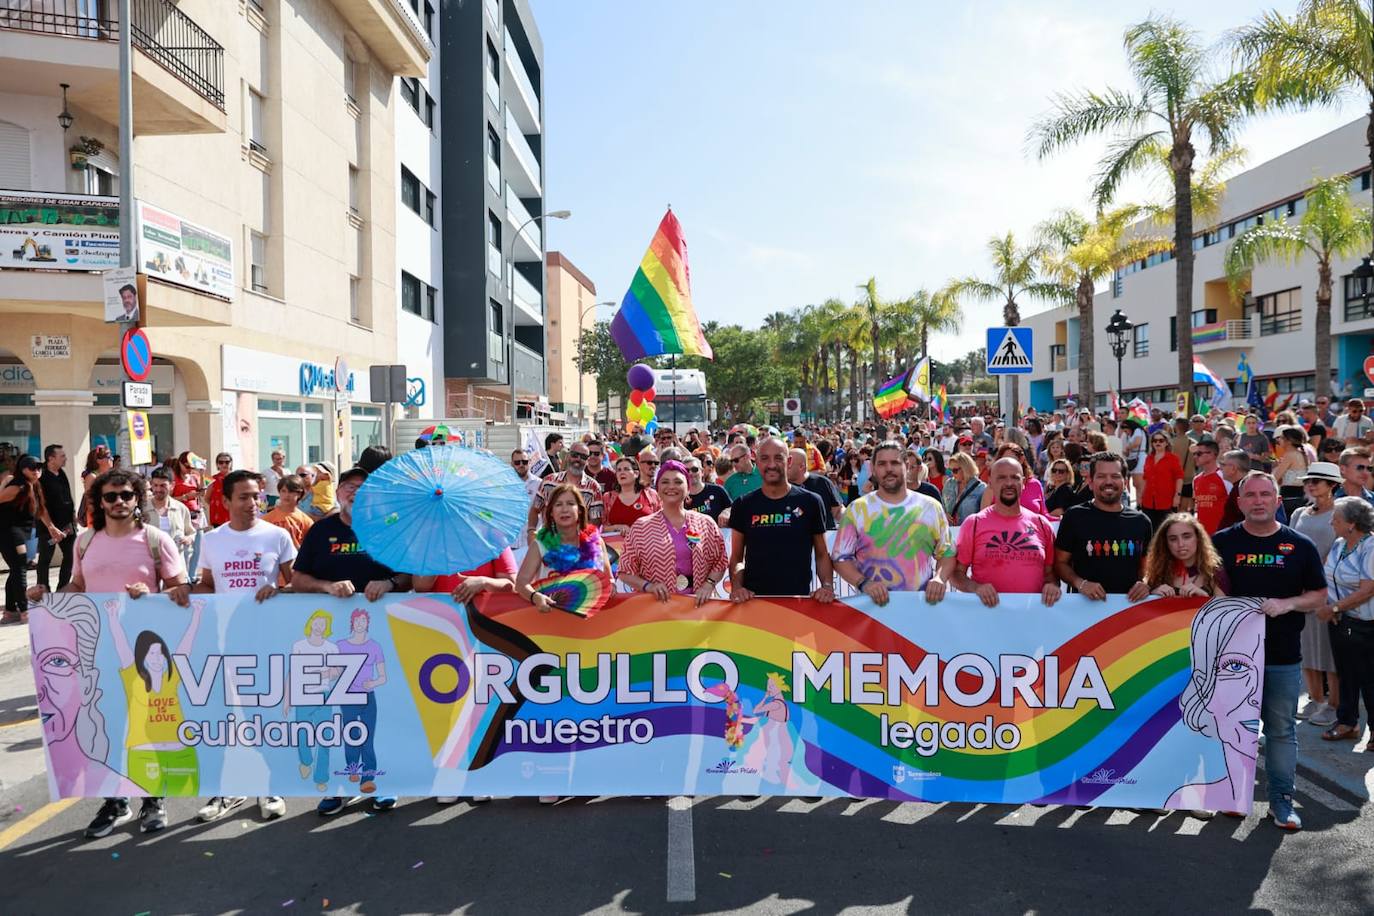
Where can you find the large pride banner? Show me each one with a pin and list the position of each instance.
(1097, 703)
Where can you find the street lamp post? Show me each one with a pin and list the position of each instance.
(1120, 329)
(508, 281)
(581, 405)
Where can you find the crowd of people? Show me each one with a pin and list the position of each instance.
(1198, 505)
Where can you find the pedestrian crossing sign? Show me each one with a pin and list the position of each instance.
(1009, 351)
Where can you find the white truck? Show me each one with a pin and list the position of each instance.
(683, 390)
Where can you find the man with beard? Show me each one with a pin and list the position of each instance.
(778, 529)
(1006, 547)
(901, 519)
(575, 474)
(798, 476)
(1100, 548)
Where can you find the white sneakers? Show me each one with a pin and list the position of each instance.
(271, 806)
(1323, 716)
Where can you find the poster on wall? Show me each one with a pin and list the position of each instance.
(181, 252)
(120, 288)
(140, 438)
(58, 232)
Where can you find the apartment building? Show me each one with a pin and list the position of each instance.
(1270, 324)
(266, 181)
(571, 305)
(492, 208)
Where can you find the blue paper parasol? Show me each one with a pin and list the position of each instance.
(440, 510)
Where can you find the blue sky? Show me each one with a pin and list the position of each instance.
(806, 146)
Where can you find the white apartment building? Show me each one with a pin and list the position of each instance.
(265, 177)
(1271, 326)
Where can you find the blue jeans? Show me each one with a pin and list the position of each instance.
(1279, 713)
(316, 756)
(364, 753)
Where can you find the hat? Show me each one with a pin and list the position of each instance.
(964, 440)
(1306, 402)
(327, 468)
(1323, 470)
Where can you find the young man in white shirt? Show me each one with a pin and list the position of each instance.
(245, 554)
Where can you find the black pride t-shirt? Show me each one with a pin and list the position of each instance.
(712, 501)
(778, 536)
(825, 490)
(330, 551)
(1105, 547)
(1283, 565)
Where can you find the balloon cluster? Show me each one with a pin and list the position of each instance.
(641, 412)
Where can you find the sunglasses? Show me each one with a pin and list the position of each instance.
(1160, 441)
(1360, 467)
(223, 463)
(1059, 471)
(117, 496)
(526, 461)
(580, 454)
(694, 470)
(649, 463)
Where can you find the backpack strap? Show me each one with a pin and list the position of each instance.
(83, 542)
(153, 536)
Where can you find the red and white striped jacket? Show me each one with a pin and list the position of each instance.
(649, 549)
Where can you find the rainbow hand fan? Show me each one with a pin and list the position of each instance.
(582, 592)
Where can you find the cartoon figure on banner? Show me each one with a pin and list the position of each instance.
(68, 700)
(1222, 699)
(770, 753)
(314, 762)
(361, 760)
(157, 760)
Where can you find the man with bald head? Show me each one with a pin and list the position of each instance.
(777, 530)
(799, 476)
(1006, 547)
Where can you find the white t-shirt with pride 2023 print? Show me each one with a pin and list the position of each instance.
(244, 561)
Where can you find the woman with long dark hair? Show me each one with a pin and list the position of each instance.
(630, 501)
(1163, 476)
(21, 507)
(1181, 561)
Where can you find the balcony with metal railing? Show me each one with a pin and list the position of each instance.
(1220, 335)
(528, 178)
(524, 101)
(178, 68)
(529, 303)
(529, 239)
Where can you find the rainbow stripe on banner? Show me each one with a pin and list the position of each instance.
(656, 316)
(891, 397)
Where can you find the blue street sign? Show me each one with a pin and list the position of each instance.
(1009, 351)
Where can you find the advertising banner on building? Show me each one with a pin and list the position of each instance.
(58, 232)
(181, 252)
(1088, 702)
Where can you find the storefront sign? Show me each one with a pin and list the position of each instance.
(105, 377)
(51, 346)
(58, 232)
(181, 252)
(341, 391)
(316, 378)
(137, 395)
(1098, 703)
(140, 438)
(243, 369)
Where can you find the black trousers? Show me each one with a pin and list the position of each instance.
(13, 551)
(1352, 643)
(45, 553)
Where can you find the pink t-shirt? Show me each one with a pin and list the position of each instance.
(111, 563)
(1010, 553)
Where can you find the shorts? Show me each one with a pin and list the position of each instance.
(1187, 491)
(164, 773)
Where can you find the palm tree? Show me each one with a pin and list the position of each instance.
(1081, 253)
(1330, 226)
(1324, 51)
(939, 312)
(1177, 98)
(1015, 273)
(873, 309)
(896, 321)
(854, 328)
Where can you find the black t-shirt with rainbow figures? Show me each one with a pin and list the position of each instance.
(1105, 547)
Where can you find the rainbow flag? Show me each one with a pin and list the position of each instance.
(656, 315)
(891, 397)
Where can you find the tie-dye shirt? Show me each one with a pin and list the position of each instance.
(898, 544)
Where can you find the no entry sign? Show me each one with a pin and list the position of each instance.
(136, 354)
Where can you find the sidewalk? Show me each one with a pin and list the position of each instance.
(14, 647)
(1340, 767)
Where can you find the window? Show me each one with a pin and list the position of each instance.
(429, 111)
(429, 207)
(354, 306)
(410, 91)
(350, 79)
(493, 159)
(493, 230)
(431, 303)
(1280, 313)
(1142, 340)
(99, 181)
(1357, 306)
(410, 189)
(427, 16)
(256, 104)
(353, 189)
(410, 293)
(493, 61)
(258, 268)
(495, 332)
(1200, 317)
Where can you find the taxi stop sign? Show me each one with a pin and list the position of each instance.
(136, 354)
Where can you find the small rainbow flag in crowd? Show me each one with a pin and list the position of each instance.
(891, 397)
(656, 316)
(938, 402)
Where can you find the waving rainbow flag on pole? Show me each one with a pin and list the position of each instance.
(656, 315)
(891, 397)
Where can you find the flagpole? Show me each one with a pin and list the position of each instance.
(672, 367)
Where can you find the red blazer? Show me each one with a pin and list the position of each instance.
(649, 552)
(1161, 478)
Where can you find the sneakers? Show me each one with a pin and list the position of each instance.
(218, 807)
(153, 817)
(271, 806)
(483, 799)
(328, 807)
(1285, 818)
(11, 617)
(447, 799)
(1323, 717)
(383, 803)
(1202, 815)
(1310, 707)
(548, 799)
(112, 813)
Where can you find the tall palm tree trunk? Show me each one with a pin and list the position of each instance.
(1086, 377)
(1323, 328)
(854, 384)
(1181, 162)
(877, 345)
(1012, 316)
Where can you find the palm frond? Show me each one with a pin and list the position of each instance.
(1269, 241)
(1075, 116)
(1124, 158)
